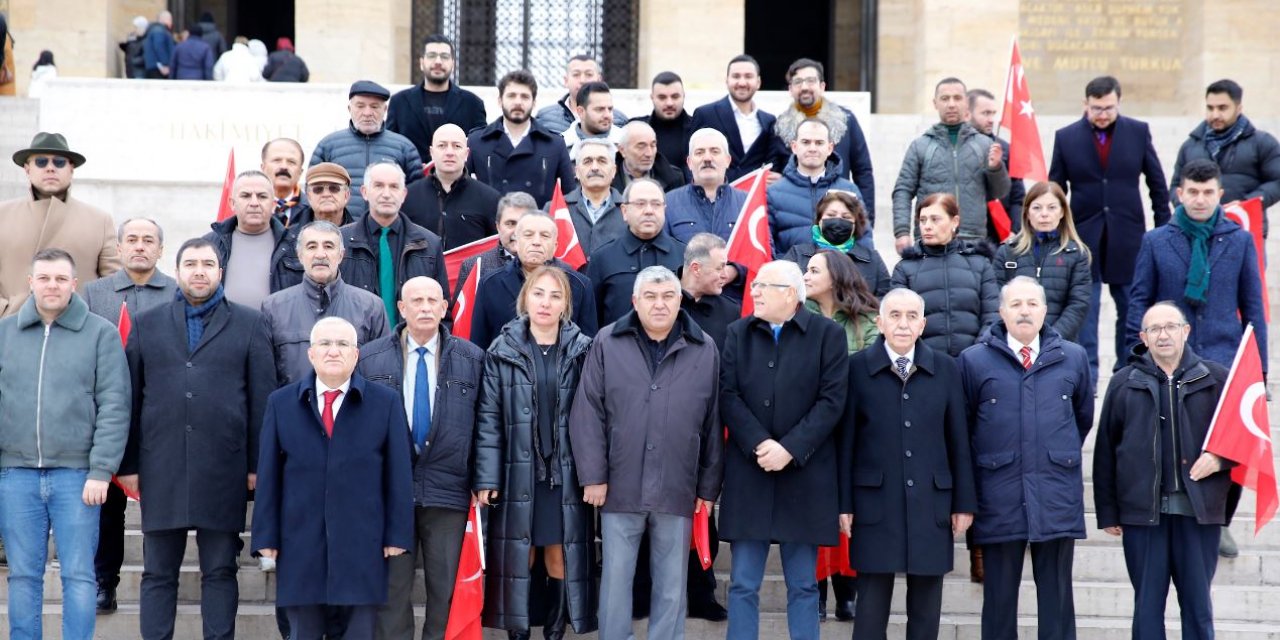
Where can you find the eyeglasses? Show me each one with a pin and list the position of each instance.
(437, 56)
(800, 82)
(1097, 111)
(330, 187)
(58, 162)
(1157, 329)
(325, 345)
(756, 285)
(646, 204)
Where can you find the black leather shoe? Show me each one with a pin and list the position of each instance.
(710, 611)
(844, 610)
(106, 599)
(517, 635)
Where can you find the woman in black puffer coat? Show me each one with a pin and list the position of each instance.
(953, 276)
(1049, 250)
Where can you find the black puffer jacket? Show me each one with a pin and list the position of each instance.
(442, 470)
(504, 461)
(1064, 274)
(1250, 165)
(463, 214)
(959, 290)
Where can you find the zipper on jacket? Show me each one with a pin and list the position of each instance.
(544, 179)
(1173, 430)
(955, 170)
(40, 396)
(1155, 461)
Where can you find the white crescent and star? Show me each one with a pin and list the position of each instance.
(1248, 400)
(1238, 215)
(754, 229)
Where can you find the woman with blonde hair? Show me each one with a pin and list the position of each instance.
(1049, 250)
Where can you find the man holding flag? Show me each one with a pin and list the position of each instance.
(1153, 483)
(982, 116)
(437, 375)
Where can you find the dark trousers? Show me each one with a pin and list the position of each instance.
(1177, 549)
(875, 594)
(1051, 563)
(700, 583)
(437, 547)
(1089, 330)
(335, 622)
(309, 622)
(110, 553)
(842, 586)
(219, 593)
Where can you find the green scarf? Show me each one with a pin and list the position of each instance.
(818, 239)
(1199, 234)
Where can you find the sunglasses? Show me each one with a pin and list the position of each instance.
(330, 187)
(58, 162)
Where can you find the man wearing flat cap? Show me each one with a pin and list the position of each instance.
(328, 189)
(48, 217)
(366, 141)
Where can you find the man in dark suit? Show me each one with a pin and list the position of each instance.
(418, 111)
(905, 480)
(341, 447)
(749, 129)
(201, 369)
(1099, 160)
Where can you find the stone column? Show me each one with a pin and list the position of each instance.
(343, 41)
(694, 39)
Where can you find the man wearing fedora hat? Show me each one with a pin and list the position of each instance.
(48, 217)
(366, 141)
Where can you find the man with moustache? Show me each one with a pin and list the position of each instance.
(291, 313)
(419, 111)
(594, 111)
(282, 161)
(455, 206)
(670, 122)
(193, 446)
(140, 286)
(982, 116)
(559, 117)
(515, 153)
(438, 376)
(593, 206)
(639, 157)
(250, 243)
(511, 207)
(613, 267)
(366, 141)
(748, 129)
(329, 188)
(708, 204)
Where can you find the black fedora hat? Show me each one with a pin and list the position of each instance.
(48, 143)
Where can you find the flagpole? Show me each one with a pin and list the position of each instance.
(1008, 79)
(1231, 376)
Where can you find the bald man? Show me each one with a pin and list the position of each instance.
(449, 203)
(638, 157)
(437, 376)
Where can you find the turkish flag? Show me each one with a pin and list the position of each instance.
(1241, 432)
(1248, 214)
(454, 257)
(747, 182)
(125, 324)
(468, 587)
(834, 561)
(1026, 156)
(224, 205)
(750, 243)
(1000, 219)
(463, 306)
(567, 247)
(700, 541)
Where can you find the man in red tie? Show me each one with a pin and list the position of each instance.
(1030, 400)
(341, 446)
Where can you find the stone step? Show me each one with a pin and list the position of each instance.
(258, 621)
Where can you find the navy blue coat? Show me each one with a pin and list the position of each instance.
(192, 59)
(533, 167)
(330, 506)
(904, 461)
(614, 266)
(1234, 297)
(719, 116)
(793, 202)
(792, 391)
(407, 117)
(442, 470)
(496, 302)
(1027, 430)
(1107, 201)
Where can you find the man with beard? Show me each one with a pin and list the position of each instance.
(366, 141)
(417, 112)
(593, 206)
(282, 162)
(982, 116)
(455, 206)
(559, 117)
(47, 216)
(748, 129)
(805, 82)
(670, 122)
(595, 118)
(639, 157)
(515, 153)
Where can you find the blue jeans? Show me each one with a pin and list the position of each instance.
(31, 501)
(1089, 330)
(799, 569)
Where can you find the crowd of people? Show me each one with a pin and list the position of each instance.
(154, 50)
(303, 357)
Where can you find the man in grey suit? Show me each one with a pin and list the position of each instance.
(139, 286)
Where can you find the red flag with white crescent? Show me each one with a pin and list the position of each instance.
(454, 257)
(750, 244)
(748, 181)
(468, 587)
(1018, 118)
(567, 246)
(464, 306)
(1241, 432)
(1248, 214)
(224, 205)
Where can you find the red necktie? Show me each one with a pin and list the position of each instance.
(1026, 357)
(329, 397)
